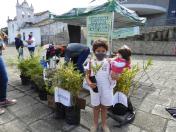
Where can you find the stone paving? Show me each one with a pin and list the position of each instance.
(157, 90)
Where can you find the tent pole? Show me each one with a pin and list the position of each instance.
(111, 33)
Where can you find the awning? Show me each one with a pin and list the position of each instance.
(146, 9)
(123, 17)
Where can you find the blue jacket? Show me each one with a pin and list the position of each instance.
(18, 43)
(74, 50)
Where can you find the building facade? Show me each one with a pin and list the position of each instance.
(26, 21)
(157, 12)
(158, 35)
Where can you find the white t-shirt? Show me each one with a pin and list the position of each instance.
(32, 44)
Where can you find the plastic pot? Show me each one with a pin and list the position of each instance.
(72, 115)
(60, 111)
(42, 95)
(25, 80)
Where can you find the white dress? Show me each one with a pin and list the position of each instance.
(104, 83)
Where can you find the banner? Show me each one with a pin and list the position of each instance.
(62, 96)
(99, 26)
(125, 32)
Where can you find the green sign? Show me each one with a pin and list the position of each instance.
(99, 26)
(125, 32)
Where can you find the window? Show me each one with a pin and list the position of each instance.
(24, 36)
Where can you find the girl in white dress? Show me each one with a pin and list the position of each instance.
(103, 97)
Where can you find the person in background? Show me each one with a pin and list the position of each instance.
(31, 44)
(3, 81)
(5, 38)
(19, 46)
(75, 52)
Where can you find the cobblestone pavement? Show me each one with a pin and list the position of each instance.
(154, 94)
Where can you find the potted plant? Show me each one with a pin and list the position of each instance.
(49, 83)
(35, 71)
(23, 67)
(125, 81)
(70, 80)
(127, 78)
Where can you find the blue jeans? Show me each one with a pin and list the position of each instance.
(81, 58)
(3, 80)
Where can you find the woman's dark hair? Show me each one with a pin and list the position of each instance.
(125, 53)
(100, 43)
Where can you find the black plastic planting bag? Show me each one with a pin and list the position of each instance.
(72, 115)
(93, 80)
(25, 80)
(60, 111)
(122, 114)
(121, 109)
(123, 120)
(81, 103)
(172, 111)
(42, 94)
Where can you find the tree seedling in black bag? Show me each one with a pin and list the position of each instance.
(93, 80)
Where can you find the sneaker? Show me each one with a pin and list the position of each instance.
(2, 111)
(106, 129)
(8, 102)
(93, 129)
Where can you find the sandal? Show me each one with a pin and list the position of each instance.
(7, 102)
(106, 129)
(2, 111)
(93, 129)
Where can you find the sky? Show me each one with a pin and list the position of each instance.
(8, 7)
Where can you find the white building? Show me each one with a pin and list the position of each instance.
(26, 21)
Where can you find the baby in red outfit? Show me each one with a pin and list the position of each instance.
(122, 61)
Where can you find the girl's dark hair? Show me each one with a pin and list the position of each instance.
(125, 53)
(100, 43)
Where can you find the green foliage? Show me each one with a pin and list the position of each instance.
(69, 79)
(147, 64)
(126, 79)
(96, 68)
(31, 67)
(51, 81)
(50, 90)
(23, 66)
(34, 68)
(38, 80)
